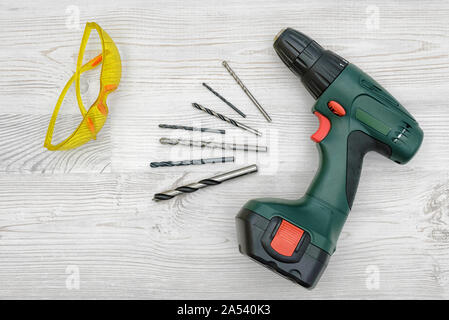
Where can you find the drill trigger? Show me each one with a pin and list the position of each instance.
(323, 129)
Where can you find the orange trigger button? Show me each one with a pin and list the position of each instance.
(324, 128)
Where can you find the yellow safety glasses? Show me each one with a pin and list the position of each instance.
(95, 117)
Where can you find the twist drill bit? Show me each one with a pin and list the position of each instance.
(224, 118)
(190, 162)
(224, 100)
(173, 126)
(212, 144)
(245, 89)
(169, 194)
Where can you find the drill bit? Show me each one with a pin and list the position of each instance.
(245, 89)
(212, 144)
(190, 162)
(224, 118)
(169, 194)
(224, 100)
(173, 126)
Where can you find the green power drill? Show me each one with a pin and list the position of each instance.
(356, 115)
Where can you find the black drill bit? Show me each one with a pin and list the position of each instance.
(224, 118)
(169, 194)
(190, 162)
(173, 126)
(224, 100)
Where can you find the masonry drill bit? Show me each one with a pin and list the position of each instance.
(224, 118)
(169, 194)
(224, 100)
(212, 144)
(245, 89)
(173, 126)
(190, 162)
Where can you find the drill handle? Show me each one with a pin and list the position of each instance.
(341, 159)
(359, 144)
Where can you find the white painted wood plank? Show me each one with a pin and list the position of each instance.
(91, 207)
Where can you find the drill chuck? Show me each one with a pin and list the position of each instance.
(316, 67)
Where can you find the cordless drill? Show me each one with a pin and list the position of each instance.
(356, 115)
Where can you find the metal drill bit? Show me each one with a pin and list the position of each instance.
(190, 162)
(169, 194)
(173, 126)
(245, 89)
(224, 100)
(224, 118)
(212, 144)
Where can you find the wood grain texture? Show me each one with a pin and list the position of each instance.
(91, 207)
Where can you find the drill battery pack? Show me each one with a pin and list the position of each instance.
(282, 246)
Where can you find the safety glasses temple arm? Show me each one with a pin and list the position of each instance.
(87, 30)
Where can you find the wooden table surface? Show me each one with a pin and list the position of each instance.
(82, 223)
